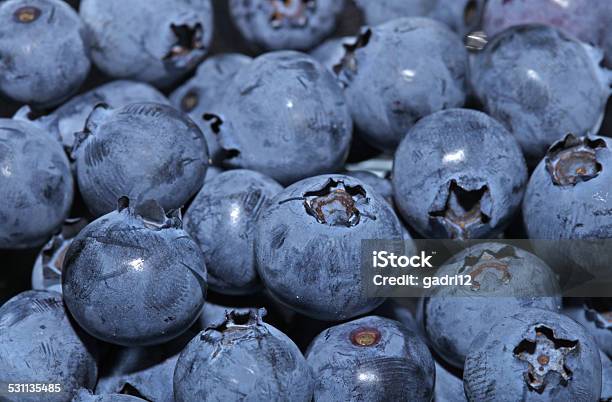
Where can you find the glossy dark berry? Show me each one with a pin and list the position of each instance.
(538, 354)
(142, 151)
(134, 277)
(505, 279)
(43, 51)
(222, 219)
(39, 344)
(371, 359)
(450, 175)
(319, 223)
(248, 358)
(154, 41)
(36, 186)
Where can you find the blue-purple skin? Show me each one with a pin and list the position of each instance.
(36, 186)
(505, 279)
(606, 377)
(284, 115)
(387, 95)
(371, 359)
(39, 344)
(596, 316)
(462, 16)
(567, 199)
(197, 95)
(142, 151)
(86, 396)
(448, 388)
(221, 219)
(43, 51)
(541, 84)
(154, 41)
(285, 24)
(70, 118)
(134, 277)
(319, 223)
(583, 19)
(331, 52)
(450, 175)
(383, 187)
(243, 358)
(537, 354)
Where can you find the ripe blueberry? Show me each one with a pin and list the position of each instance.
(247, 357)
(133, 277)
(39, 344)
(154, 41)
(43, 51)
(143, 151)
(541, 84)
(222, 219)
(537, 354)
(308, 245)
(284, 115)
(387, 95)
(505, 279)
(36, 186)
(450, 175)
(371, 359)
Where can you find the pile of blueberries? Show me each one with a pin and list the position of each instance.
(185, 186)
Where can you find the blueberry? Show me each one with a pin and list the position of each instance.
(86, 396)
(371, 359)
(537, 354)
(285, 24)
(285, 116)
(308, 245)
(243, 358)
(574, 172)
(39, 344)
(450, 175)
(580, 18)
(36, 186)
(143, 151)
(462, 16)
(505, 279)
(197, 95)
(154, 41)
(70, 118)
(387, 95)
(133, 277)
(541, 84)
(448, 388)
(43, 53)
(222, 219)
(47, 270)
